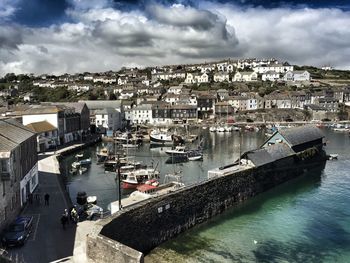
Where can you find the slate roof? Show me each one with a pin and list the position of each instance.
(12, 133)
(269, 154)
(302, 134)
(41, 126)
(101, 104)
(43, 110)
(105, 111)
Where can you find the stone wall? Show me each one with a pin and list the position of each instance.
(148, 224)
(102, 249)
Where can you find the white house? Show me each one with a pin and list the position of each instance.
(142, 114)
(221, 77)
(270, 76)
(46, 134)
(245, 76)
(175, 89)
(104, 79)
(107, 119)
(280, 68)
(197, 78)
(297, 76)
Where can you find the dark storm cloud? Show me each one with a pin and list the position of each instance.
(96, 36)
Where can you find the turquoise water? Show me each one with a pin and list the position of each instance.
(304, 220)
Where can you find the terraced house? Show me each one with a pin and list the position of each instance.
(18, 168)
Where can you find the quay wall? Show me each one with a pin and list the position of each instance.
(151, 222)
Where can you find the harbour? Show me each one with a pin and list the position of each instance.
(219, 141)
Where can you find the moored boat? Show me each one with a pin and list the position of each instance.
(134, 178)
(178, 150)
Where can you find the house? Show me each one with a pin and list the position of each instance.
(46, 135)
(182, 113)
(171, 98)
(221, 77)
(175, 89)
(161, 113)
(18, 168)
(122, 80)
(317, 112)
(104, 79)
(278, 100)
(238, 102)
(330, 104)
(245, 76)
(95, 105)
(79, 87)
(270, 76)
(106, 119)
(299, 99)
(222, 94)
(223, 108)
(276, 67)
(142, 114)
(296, 76)
(205, 104)
(197, 78)
(84, 116)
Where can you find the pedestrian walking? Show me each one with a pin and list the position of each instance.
(47, 199)
(64, 221)
(66, 214)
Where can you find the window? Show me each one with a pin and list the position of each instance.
(4, 168)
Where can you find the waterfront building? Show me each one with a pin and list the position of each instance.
(205, 104)
(18, 167)
(298, 138)
(46, 135)
(182, 113)
(142, 114)
(114, 122)
(161, 113)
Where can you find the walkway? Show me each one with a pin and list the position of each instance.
(49, 242)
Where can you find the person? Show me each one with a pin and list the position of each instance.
(47, 199)
(64, 221)
(74, 215)
(66, 215)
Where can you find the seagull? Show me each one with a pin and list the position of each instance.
(255, 242)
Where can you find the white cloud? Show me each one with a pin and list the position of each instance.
(103, 38)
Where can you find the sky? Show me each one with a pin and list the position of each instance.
(70, 36)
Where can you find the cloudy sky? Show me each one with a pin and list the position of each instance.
(57, 36)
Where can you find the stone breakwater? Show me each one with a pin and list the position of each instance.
(135, 231)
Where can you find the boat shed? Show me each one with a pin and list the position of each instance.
(297, 138)
(268, 154)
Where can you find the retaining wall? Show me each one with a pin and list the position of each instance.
(150, 223)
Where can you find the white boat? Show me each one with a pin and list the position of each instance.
(92, 199)
(134, 178)
(82, 170)
(129, 145)
(79, 155)
(76, 165)
(235, 128)
(195, 155)
(204, 127)
(160, 137)
(221, 129)
(178, 150)
(228, 128)
(333, 156)
(212, 129)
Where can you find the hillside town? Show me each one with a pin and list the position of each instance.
(47, 112)
(236, 89)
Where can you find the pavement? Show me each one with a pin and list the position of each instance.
(49, 242)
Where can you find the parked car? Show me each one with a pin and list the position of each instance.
(18, 232)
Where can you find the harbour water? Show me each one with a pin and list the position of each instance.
(304, 220)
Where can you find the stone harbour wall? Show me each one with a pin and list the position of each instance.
(150, 223)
